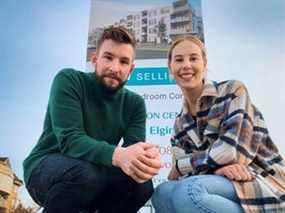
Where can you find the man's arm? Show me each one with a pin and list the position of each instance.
(67, 122)
(139, 160)
(136, 127)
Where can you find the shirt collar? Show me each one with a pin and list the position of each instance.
(209, 93)
(210, 89)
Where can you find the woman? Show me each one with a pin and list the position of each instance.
(223, 157)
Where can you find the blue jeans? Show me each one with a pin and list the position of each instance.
(63, 184)
(197, 194)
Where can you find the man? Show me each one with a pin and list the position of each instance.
(77, 165)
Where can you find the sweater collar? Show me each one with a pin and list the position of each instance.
(102, 90)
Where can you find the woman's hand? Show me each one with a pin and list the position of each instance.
(236, 172)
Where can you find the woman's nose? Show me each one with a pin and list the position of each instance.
(187, 64)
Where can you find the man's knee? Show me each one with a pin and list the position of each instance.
(84, 174)
(81, 186)
(144, 191)
(78, 178)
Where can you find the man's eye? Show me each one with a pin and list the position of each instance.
(125, 62)
(193, 59)
(108, 57)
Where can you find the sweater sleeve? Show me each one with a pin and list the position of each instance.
(136, 128)
(67, 122)
(234, 143)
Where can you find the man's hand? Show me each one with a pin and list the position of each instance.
(153, 152)
(148, 165)
(173, 174)
(141, 161)
(123, 157)
(236, 172)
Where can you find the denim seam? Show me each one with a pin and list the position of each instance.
(195, 201)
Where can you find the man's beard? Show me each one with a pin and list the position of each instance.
(108, 87)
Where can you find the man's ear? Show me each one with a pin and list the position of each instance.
(93, 58)
(132, 68)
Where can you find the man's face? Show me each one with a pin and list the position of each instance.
(113, 63)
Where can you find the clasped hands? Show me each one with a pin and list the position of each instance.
(141, 161)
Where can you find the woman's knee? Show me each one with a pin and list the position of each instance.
(162, 193)
(187, 195)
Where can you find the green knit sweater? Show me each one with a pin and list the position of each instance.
(85, 121)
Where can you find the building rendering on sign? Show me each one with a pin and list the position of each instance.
(184, 20)
(9, 184)
(151, 25)
(161, 25)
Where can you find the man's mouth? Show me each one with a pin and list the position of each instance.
(113, 77)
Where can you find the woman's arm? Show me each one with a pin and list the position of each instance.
(236, 142)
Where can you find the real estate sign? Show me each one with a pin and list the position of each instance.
(155, 24)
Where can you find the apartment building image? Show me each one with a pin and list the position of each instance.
(181, 19)
(159, 24)
(137, 27)
(155, 28)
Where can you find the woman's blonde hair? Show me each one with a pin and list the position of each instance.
(190, 38)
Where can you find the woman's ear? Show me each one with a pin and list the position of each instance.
(205, 70)
(205, 65)
(171, 76)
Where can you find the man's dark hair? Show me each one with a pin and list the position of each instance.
(117, 34)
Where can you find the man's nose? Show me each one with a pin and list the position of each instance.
(115, 67)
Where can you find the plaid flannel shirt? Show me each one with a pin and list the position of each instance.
(230, 129)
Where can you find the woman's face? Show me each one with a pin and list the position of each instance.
(187, 65)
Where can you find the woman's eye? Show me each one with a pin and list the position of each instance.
(178, 59)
